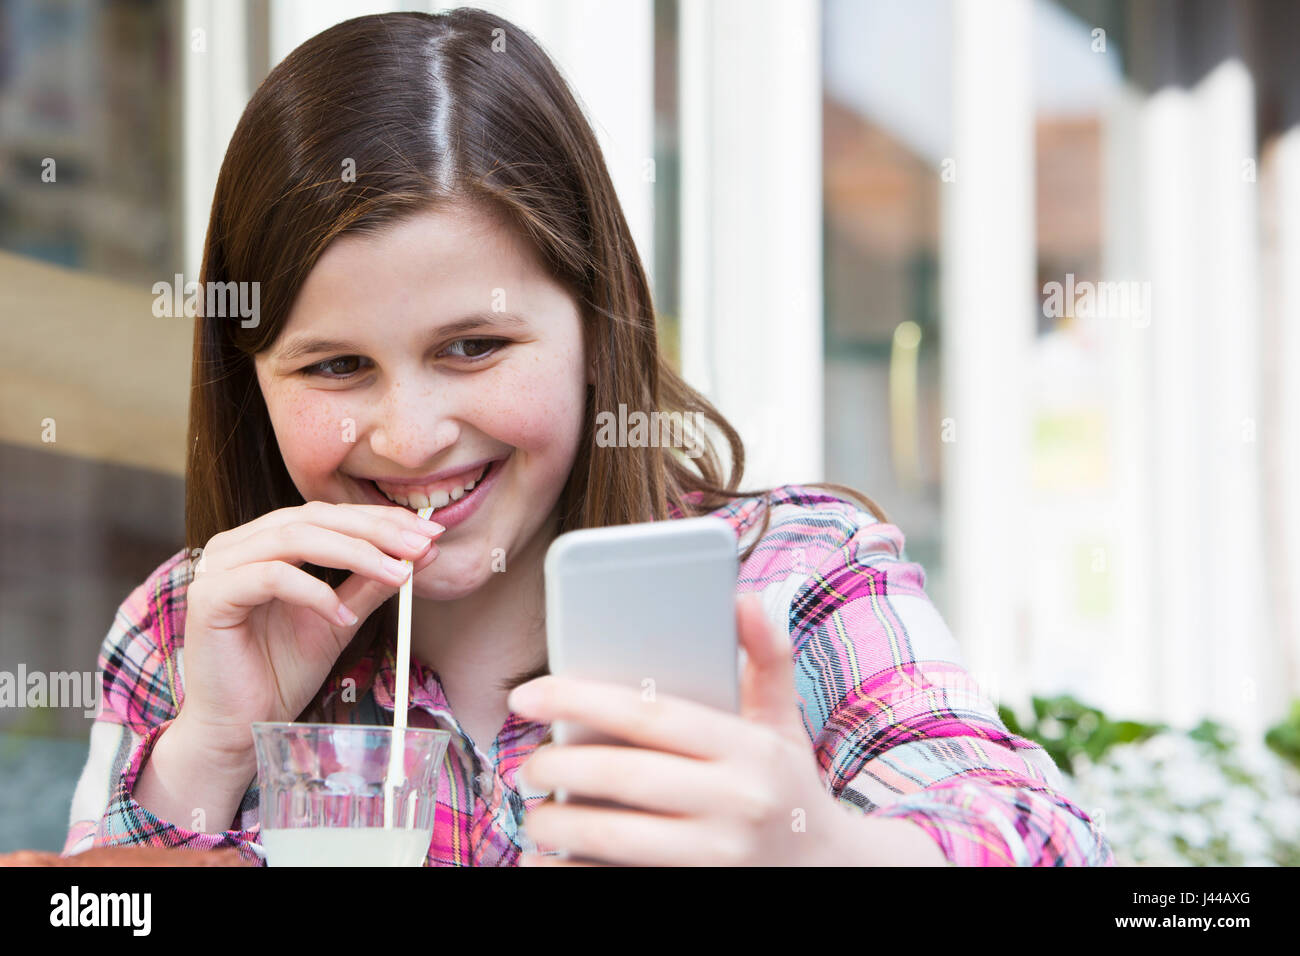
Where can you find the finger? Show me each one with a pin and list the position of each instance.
(364, 594)
(767, 691)
(663, 722)
(229, 595)
(300, 541)
(648, 780)
(359, 521)
(628, 837)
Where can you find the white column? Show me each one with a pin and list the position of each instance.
(1230, 576)
(1285, 439)
(1210, 623)
(989, 307)
(293, 21)
(1195, 629)
(751, 272)
(1132, 652)
(695, 114)
(214, 51)
(606, 53)
(1175, 470)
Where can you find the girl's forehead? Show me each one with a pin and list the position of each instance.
(430, 261)
(393, 287)
(430, 244)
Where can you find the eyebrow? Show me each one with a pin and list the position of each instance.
(314, 345)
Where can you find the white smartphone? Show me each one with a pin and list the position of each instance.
(651, 606)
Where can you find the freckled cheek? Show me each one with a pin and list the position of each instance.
(537, 408)
(313, 432)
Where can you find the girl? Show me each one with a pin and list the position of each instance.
(449, 294)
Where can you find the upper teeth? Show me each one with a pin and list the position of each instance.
(439, 499)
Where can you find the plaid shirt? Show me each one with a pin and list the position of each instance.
(898, 726)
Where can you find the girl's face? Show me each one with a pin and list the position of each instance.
(414, 357)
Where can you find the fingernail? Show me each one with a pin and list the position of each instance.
(397, 569)
(523, 698)
(346, 616)
(416, 540)
(434, 527)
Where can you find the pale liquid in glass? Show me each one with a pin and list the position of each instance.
(346, 846)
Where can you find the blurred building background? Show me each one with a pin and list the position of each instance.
(854, 213)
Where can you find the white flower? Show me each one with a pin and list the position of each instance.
(1162, 746)
(1241, 802)
(1195, 830)
(1129, 761)
(1172, 787)
(1284, 816)
(1196, 784)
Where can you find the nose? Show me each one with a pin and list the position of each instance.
(412, 428)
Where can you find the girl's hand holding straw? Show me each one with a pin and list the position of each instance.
(262, 634)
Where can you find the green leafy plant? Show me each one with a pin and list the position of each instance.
(1283, 738)
(1166, 796)
(1066, 728)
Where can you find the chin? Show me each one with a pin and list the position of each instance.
(447, 583)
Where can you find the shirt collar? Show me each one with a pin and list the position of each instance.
(423, 684)
(378, 670)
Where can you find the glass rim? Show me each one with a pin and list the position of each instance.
(310, 725)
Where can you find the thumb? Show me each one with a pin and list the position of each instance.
(363, 595)
(767, 692)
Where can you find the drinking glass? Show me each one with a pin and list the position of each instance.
(339, 794)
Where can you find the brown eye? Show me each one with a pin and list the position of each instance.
(340, 367)
(476, 348)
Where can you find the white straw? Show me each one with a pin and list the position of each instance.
(401, 695)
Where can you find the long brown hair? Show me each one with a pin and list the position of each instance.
(460, 106)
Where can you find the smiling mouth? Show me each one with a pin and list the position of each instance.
(440, 495)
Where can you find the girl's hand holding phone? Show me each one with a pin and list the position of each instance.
(718, 788)
(261, 634)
